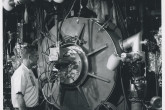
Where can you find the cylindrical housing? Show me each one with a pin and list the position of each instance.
(113, 62)
(133, 41)
(58, 1)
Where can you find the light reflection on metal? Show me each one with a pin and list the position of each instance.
(133, 41)
(156, 103)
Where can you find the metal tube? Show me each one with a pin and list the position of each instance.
(133, 41)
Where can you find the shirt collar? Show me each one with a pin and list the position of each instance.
(25, 67)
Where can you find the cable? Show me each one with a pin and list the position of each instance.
(70, 10)
(123, 89)
(120, 23)
(46, 98)
(120, 20)
(79, 13)
(66, 15)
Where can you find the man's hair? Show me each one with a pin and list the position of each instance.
(28, 50)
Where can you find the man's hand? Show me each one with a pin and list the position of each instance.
(21, 102)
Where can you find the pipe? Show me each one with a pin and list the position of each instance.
(136, 54)
(133, 41)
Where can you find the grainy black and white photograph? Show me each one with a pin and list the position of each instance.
(82, 54)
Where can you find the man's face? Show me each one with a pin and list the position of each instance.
(16, 64)
(34, 58)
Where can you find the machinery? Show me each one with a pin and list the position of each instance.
(80, 70)
(85, 68)
(82, 63)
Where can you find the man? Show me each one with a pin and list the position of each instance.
(24, 85)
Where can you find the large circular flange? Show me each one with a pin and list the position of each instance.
(94, 83)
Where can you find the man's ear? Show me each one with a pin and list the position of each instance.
(29, 56)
